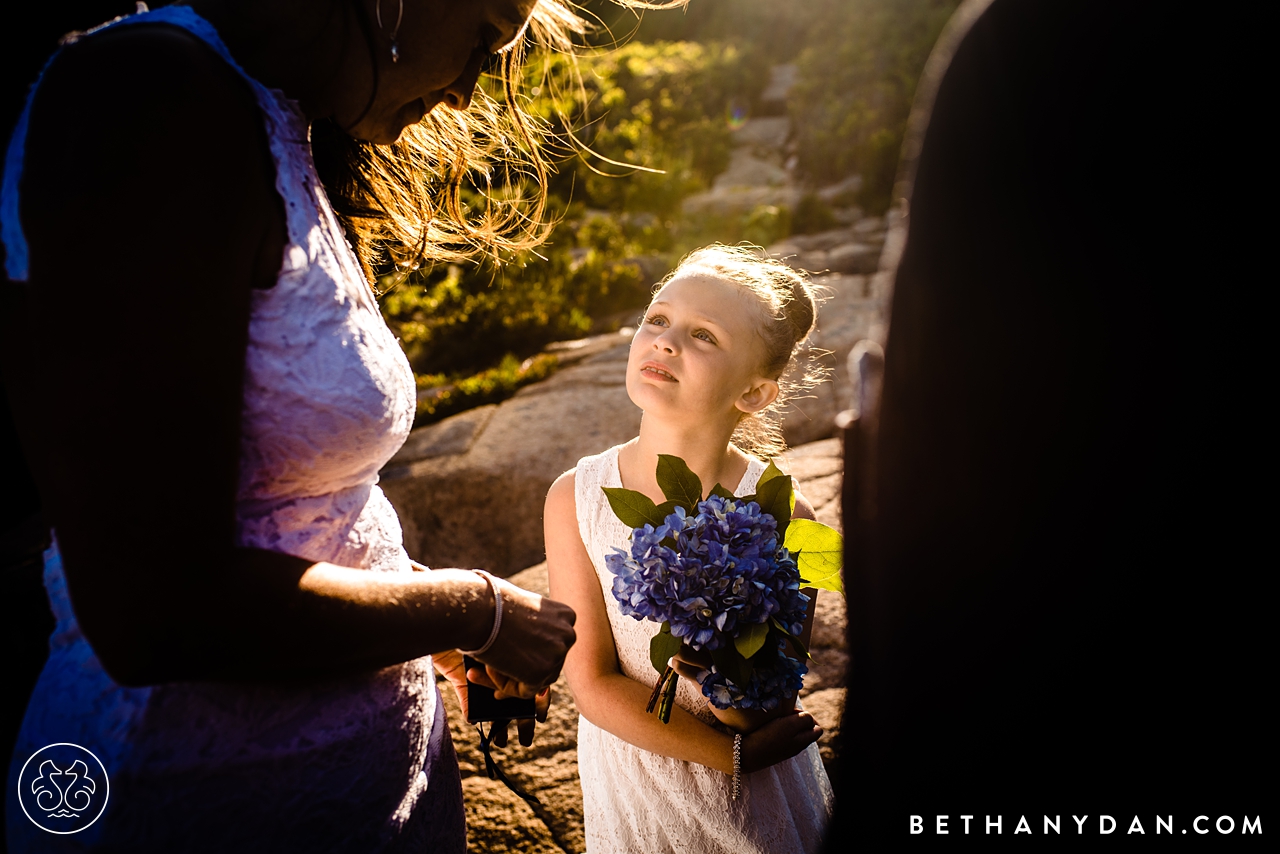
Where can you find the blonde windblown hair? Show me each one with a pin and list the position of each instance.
(457, 185)
(789, 311)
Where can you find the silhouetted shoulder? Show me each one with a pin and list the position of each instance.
(138, 94)
(139, 136)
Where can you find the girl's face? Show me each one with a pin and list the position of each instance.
(443, 45)
(697, 354)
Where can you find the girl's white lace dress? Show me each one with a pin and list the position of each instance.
(637, 802)
(360, 763)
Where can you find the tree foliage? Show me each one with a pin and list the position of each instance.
(858, 77)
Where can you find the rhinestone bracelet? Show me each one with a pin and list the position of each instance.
(737, 765)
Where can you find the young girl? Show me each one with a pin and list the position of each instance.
(705, 368)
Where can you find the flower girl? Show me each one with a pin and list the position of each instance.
(705, 367)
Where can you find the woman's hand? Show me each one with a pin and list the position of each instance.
(529, 651)
(778, 740)
(450, 665)
(504, 687)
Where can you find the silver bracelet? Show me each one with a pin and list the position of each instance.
(497, 615)
(737, 765)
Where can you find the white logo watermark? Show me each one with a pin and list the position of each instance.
(63, 788)
(946, 824)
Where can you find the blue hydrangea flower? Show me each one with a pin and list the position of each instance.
(721, 568)
(772, 681)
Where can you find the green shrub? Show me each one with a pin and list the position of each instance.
(766, 224)
(812, 215)
(777, 29)
(663, 107)
(454, 321)
(858, 77)
(492, 386)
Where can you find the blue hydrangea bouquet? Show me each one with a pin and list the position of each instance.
(722, 574)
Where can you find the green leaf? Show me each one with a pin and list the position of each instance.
(804, 650)
(775, 499)
(678, 482)
(666, 508)
(819, 552)
(751, 638)
(633, 508)
(662, 647)
(731, 663)
(799, 645)
(770, 472)
(722, 492)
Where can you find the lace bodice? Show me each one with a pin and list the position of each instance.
(328, 399)
(638, 802)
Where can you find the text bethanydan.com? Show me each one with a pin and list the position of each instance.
(943, 825)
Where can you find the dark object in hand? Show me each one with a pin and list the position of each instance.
(481, 706)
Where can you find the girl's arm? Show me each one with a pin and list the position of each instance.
(149, 204)
(615, 702)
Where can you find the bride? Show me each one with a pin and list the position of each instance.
(241, 638)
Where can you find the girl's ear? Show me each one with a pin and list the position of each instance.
(761, 393)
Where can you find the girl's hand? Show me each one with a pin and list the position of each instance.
(750, 720)
(691, 664)
(778, 740)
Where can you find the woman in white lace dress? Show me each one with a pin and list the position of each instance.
(241, 639)
(705, 367)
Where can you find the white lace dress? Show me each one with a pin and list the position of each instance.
(637, 802)
(360, 763)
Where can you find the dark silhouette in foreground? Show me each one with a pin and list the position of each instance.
(27, 620)
(1052, 600)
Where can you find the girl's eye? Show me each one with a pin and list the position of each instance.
(705, 336)
(656, 320)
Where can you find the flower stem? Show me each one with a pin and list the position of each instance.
(668, 699)
(657, 688)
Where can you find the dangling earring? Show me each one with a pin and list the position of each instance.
(395, 48)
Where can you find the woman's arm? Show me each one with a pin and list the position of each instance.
(615, 702)
(149, 206)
